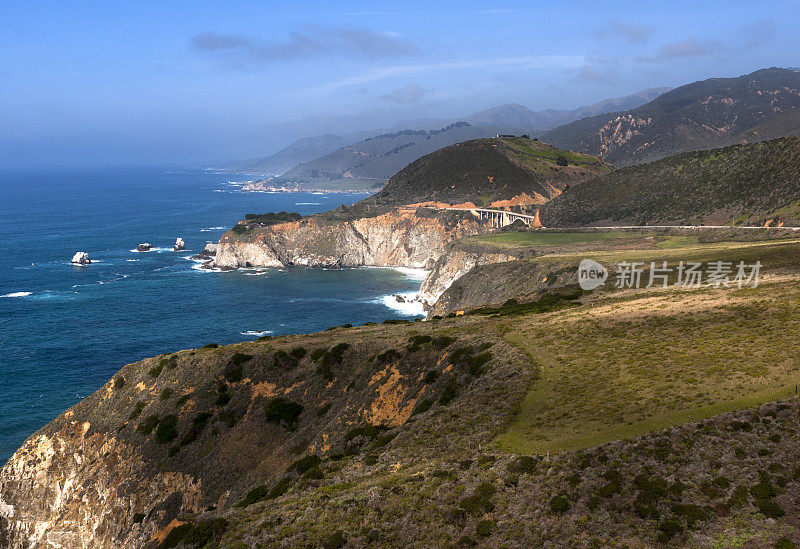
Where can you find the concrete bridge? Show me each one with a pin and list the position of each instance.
(498, 218)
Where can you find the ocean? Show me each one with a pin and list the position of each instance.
(65, 330)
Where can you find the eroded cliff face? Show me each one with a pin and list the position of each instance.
(455, 262)
(400, 238)
(183, 438)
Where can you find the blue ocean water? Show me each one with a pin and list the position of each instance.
(65, 330)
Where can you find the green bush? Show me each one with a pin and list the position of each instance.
(223, 399)
(317, 354)
(183, 399)
(769, 508)
(691, 513)
(668, 528)
(204, 532)
(484, 527)
(335, 540)
(442, 342)
(166, 392)
(477, 362)
(137, 409)
(480, 501)
(304, 464)
(156, 370)
(314, 473)
(273, 218)
(559, 504)
(175, 536)
(146, 427)
(240, 358)
(430, 377)
(210, 346)
(784, 543)
(609, 489)
(119, 382)
(422, 406)
(449, 393)
(167, 429)
(234, 372)
(762, 490)
(367, 430)
(324, 409)
(281, 410)
(298, 353)
(738, 497)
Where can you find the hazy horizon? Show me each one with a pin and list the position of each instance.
(95, 84)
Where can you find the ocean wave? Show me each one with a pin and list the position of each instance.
(308, 203)
(17, 294)
(254, 333)
(256, 273)
(131, 260)
(153, 249)
(208, 229)
(408, 307)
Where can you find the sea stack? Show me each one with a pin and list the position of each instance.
(80, 258)
(180, 245)
(209, 252)
(145, 247)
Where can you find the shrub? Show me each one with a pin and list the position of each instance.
(304, 464)
(651, 489)
(476, 363)
(721, 482)
(324, 409)
(283, 411)
(762, 490)
(155, 371)
(449, 392)
(298, 353)
(430, 377)
(609, 489)
(370, 460)
(480, 501)
(422, 406)
(484, 527)
(273, 218)
(314, 473)
(668, 529)
(784, 543)
(119, 382)
(281, 360)
(146, 427)
(167, 429)
(205, 531)
(559, 504)
(240, 358)
(441, 342)
(280, 488)
(388, 356)
(228, 417)
(369, 431)
(223, 399)
(210, 346)
(183, 399)
(769, 508)
(234, 372)
(256, 494)
(335, 540)
(175, 536)
(137, 409)
(690, 513)
(317, 354)
(562, 161)
(738, 497)
(525, 464)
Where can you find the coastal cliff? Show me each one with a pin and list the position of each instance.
(174, 449)
(399, 238)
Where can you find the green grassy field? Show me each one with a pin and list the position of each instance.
(517, 240)
(632, 362)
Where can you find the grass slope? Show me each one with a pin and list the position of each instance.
(737, 185)
(485, 170)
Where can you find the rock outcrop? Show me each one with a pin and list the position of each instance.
(208, 252)
(180, 245)
(144, 247)
(400, 238)
(80, 258)
(454, 263)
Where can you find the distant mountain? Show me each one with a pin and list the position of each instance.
(519, 116)
(378, 158)
(707, 114)
(301, 150)
(741, 184)
(327, 159)
(487, 170)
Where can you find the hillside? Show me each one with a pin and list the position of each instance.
(741, 184)
(487, 170)
(707, 114)
(331, 156)
(518, 116)
(616, 418)
(378, 158)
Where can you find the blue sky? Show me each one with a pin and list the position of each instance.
(90, 83)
